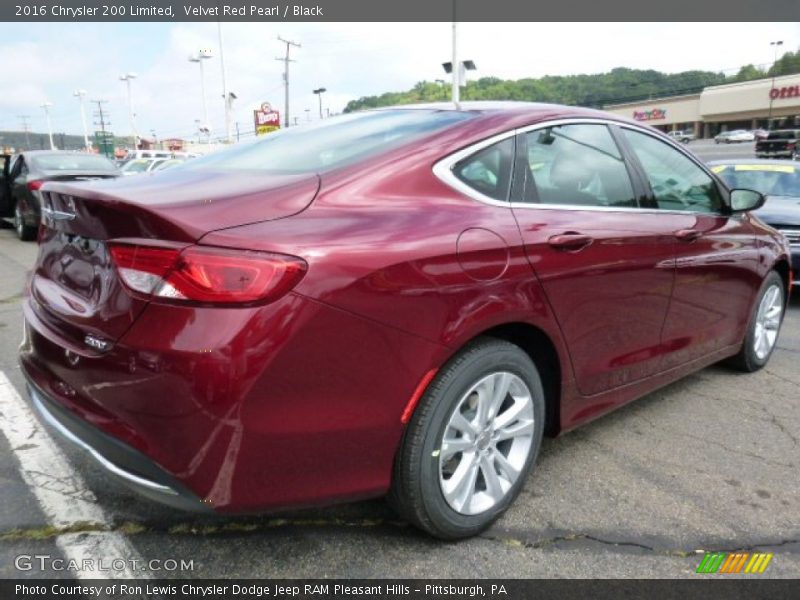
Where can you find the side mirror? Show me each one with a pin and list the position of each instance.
(746, 200)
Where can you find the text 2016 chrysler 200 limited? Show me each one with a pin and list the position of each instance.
(400, 301)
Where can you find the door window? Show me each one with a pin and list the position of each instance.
(488, 171)
(577, 165)
(676, 181)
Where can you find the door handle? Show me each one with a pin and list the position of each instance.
(688, 235)
(570, 241)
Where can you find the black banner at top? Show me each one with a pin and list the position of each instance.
(399, 10)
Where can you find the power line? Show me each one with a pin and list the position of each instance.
(286, 60)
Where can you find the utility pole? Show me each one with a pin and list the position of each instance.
(102, 116)
(26, 128)
(286, 60)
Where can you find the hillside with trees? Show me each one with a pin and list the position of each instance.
(597, 90)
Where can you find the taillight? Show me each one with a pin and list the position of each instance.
(207, 275)
(35, 185)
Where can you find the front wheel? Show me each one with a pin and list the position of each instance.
(764, 326)
(472, 441)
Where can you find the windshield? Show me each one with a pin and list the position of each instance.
(72, 162)
(768, 179)
(137, 165)
(331, 143)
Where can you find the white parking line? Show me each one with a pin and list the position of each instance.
(62, 493)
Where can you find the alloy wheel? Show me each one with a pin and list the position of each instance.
(768, 321)
(486, 443)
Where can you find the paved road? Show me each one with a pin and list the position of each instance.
(710, 462)
(709, 150)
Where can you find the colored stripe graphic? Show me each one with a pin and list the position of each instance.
(734, 562)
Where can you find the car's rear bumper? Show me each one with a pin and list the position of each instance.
(248, 409)
(125, 463)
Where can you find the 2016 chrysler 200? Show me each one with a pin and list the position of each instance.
(401, 301)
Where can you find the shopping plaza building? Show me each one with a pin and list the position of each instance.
(746, 105)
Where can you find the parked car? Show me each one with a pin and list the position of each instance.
(779, 181)
(168, 164)
(683, 136)
(396, 301)
(141, 165)
(24, 174)
(760, 134)
(779, 144)
(735, 136)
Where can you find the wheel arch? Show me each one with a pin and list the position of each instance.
(783, 269)
(541, 349)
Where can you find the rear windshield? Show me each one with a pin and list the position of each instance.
(331, 143)
(72, 162)
(782, 135)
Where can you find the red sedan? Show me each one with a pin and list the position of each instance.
(399, 301)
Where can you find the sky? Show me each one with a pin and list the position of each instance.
(48, 61)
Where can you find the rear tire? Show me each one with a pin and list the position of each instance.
(764, 326)
(488, 402)
(26, 233)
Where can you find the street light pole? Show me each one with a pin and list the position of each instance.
(225, 93)
(81, 95)
(456, 71)
(319, 92)
(199, 58)
(46, 107)
(772, 86)
(127, 78)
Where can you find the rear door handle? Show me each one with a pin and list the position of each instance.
(570, 241)
(688, 235)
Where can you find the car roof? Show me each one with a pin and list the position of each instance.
(516, 113)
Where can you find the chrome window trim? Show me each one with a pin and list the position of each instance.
(443, 169)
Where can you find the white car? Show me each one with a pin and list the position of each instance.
(737, 135)
(141, 165)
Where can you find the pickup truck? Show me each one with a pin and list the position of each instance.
(779, 144)
(684, 136)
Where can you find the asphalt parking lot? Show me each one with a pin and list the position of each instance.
(708, 463)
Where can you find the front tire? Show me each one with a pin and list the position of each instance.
(471, 442)
(763, 327)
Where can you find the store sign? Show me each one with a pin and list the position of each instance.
(266, 119)
(789, 91)
(655, 114)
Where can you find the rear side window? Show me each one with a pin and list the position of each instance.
(73, 162)
(488, 171)
(677, 183)
(577, 165)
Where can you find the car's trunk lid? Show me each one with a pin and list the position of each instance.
(75, 288)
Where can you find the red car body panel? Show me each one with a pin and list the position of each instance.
(299, 402)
